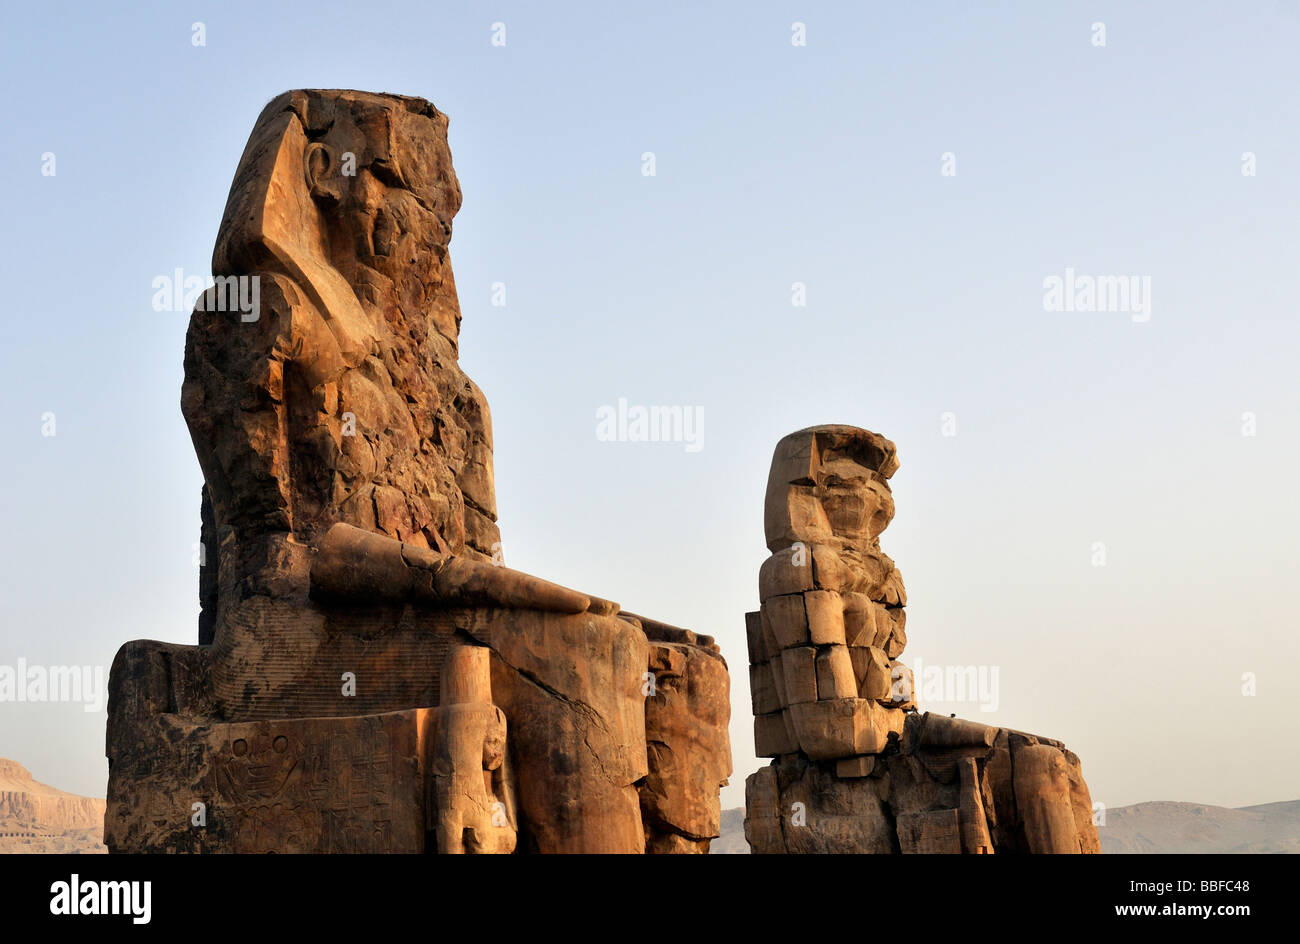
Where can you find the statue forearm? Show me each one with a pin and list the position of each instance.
(350, 563)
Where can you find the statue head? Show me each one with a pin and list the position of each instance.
(830, 485)
(353, 195)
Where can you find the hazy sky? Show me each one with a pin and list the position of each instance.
(821, 164)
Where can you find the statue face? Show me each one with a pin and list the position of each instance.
(383, 179)
(830, 485)
(389, 231)
(857, 505)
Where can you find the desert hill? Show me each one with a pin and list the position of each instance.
(1165, 826)
(35, 817)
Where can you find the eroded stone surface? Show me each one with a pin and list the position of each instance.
(856, 768)
(687, 745)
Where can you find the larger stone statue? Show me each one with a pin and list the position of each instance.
(856, 768)
(369, 676)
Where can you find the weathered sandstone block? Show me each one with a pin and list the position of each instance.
(687, 745)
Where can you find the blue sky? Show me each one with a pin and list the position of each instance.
(775, 164)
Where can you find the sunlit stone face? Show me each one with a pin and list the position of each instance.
(858, 505)
(383, 178)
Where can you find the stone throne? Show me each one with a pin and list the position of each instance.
(856, 767)
(370, 677)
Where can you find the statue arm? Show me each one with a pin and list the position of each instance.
(350, 563)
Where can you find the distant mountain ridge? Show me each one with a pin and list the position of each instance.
(1166, 826)
(1144, 828)
(35, 817)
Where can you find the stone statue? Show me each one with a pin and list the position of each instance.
(473, 792)
(856, 768)
(370, 677)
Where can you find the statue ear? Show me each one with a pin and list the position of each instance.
(321, 172)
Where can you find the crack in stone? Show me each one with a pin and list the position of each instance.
(583, 709)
